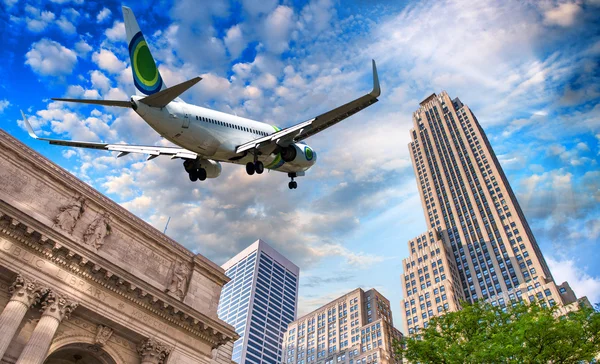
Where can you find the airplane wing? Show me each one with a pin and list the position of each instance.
(152, 151)
(311, 127)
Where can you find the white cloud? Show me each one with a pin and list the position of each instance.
(10, 3)
(67, 1)
(66, 26)
(564, 14)
(40, 19)
(82, 47)
(103, 15)
(99, 80)
(91, 94)
(106, 60)
(581, 282)
(359, 260)
(120, 185)
(234, 40)
(258, 7)
(50, 58)
(3, 105)
(117, 32)
(116, 94)
(266, 80)
(252, 92)
(277, 29)
(69, 153)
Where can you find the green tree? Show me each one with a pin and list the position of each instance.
(523, 333)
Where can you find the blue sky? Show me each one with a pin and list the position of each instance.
(528, 70)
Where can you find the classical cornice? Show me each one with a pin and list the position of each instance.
(70, 256)
(44, 164)
(213, 271)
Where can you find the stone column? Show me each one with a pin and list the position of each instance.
(153, 351)
(25, 293)
(55, 308)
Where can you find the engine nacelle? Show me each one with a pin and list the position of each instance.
(299, 155)
(213, 168)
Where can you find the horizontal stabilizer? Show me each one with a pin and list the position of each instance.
(162, 98)
(98, 102)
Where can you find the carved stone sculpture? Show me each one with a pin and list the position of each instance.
(103, 333)
(95, 233)
(179, 279)
(26, 291)
(153, 351)
(69, 215)
(58, 305)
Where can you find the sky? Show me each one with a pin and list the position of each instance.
(527, 69)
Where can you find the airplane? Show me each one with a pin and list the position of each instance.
(206, 138)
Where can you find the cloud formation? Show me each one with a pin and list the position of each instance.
(50, 58)
(519, 65)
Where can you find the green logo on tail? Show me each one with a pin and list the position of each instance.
(145, 74)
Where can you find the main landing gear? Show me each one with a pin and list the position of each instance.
(256, 166)
(194, 170)
(293, 184)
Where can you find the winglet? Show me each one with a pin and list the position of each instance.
(29, 128)
(376, 89)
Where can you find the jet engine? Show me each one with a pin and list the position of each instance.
(212, 168)
(298, 154)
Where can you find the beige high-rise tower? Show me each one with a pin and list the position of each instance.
(478, 244)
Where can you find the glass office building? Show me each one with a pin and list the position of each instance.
(259, 301)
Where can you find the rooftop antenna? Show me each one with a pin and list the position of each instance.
(167, 225)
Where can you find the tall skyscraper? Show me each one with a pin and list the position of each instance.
(353, 329)
(478, 244)
(259, 301)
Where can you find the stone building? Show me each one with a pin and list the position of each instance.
(82, 280)
(479, 245)
(356, 328)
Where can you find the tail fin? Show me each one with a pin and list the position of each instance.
(146, 77)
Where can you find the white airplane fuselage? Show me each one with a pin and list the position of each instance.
(215, 135)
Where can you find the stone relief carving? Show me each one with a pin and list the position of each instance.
(103, 333)
(98, 230)
(153, 351)
(58, 305)
(179, 279)
(69, 215)
(27, 291)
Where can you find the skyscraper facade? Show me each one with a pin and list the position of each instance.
(259, 301)
(353, 329)
(478, 244)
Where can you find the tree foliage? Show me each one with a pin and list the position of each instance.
(523, 333)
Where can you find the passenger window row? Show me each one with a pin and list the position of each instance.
(229, 125)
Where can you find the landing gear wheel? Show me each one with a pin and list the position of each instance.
(250, 168)
(259, 167)
(193, 176)
(293, 185)
(201, 173)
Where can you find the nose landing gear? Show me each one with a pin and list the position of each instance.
(293, 184)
